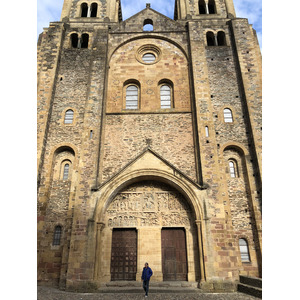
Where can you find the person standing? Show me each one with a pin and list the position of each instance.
(147, 273)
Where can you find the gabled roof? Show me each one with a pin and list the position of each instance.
(159, 157)
(160, 22)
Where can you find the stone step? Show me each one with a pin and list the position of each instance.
(250, 290)
(155, 287)
(152, 290)
(164, 284)
(252, 281)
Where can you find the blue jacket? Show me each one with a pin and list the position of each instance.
(147, 273)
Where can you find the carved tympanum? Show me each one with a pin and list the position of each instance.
(148, 204)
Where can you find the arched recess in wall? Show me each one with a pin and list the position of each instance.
(126, 183)
(63, 163)
(111, 54)
(240, 200)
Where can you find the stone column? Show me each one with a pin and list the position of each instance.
(100, 227)
(89, 12)
(201, 256)
(206, 8)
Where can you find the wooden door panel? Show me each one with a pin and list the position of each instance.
(174, 256)
(124, 254)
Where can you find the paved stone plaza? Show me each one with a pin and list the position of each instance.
(47, 293)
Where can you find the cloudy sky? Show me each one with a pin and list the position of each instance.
(50, 10)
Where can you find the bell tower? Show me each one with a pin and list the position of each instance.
(104, 10)
(204, 9)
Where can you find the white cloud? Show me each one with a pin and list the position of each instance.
(48, 11)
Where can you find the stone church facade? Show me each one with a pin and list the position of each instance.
(149, 146)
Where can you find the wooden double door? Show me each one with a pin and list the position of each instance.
(124, 254)
(174, 255)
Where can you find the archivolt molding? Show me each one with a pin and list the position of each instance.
(107, 193)
(239, 147)
(147, 36)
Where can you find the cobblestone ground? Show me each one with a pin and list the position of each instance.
(46, 293)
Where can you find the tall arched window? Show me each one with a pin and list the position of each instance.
(69, 116)
(165, 96)
(228, 115)
(84, 10)
(233, 169)
(132, 97)
(244, 250)
(202, 5)
(94, 8)
(211, 7)
(74, 40)
(66, 171)
(210, 38)
(221, 38)
(57, 235)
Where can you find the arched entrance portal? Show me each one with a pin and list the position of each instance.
(149, 221)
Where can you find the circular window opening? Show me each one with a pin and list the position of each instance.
(148, 54)
(149, 58)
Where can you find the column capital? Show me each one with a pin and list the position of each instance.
(100, 226)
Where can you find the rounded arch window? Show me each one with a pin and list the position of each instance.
(244, 250)
(148, 25)
(132, 96)
(202, 7)
(84, 10)
(165, 96)
(228, 115)
(69, 115)
(210, 39)
(74, 40)
(94, 9)
(221, 37)
(57, 235)
(233, 171)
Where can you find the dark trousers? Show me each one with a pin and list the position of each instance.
(146, 286)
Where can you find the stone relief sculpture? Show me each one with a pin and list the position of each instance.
(148, 205)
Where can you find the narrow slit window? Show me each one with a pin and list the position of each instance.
(69, 115)
(206, 131)
(66, 171)
(57, 235)
(132, 95)
(244, 250)
(232, 169)
(94, 9)
(165, 96)
(84, 10)
(228, 115)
